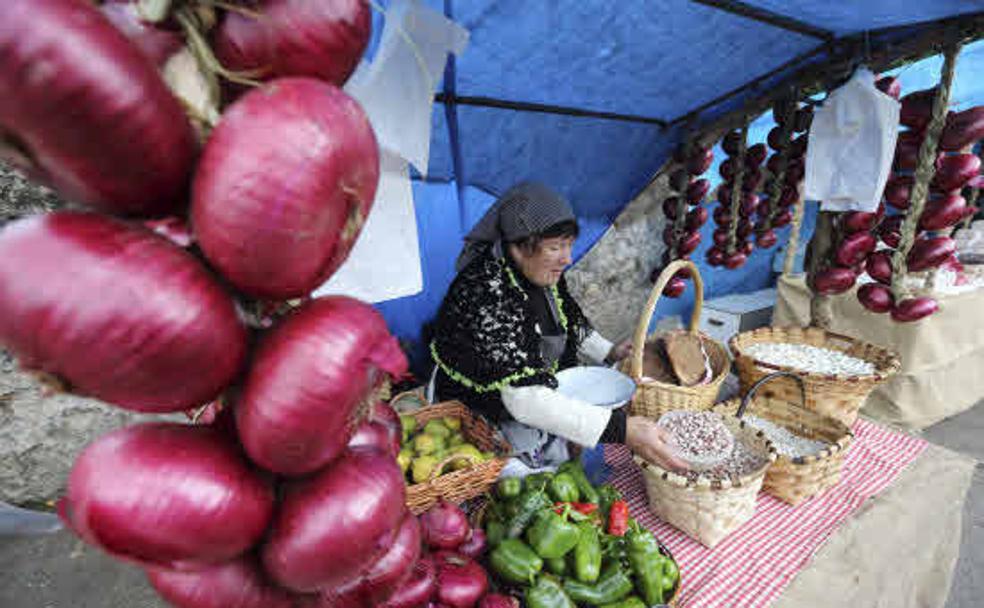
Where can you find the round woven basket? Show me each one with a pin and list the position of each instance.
(654, 397)
(835, 395)
(796, 479)
(706, 510)
(458, 486)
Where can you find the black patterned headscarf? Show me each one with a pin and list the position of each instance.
(525, 210)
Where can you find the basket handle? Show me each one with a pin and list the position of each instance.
(639, 340)
(436, 471)
(769, 378)
(412, 395)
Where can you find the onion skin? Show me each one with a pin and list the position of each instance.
(309, 376)
(879, 267)
(155, 43)
(377, 436)
(236, 584)
(395, 567)
(914, 309)
(497, 600)
(126, 147)
(284, 186)
(834, 280)
(419, 589)
(332, 526)
(476, 544)
(444, 526)
(461, 582)
(876, 298)
(167, 495)
(117, 312)
(323, 39)
(930, 253)
(855, 248)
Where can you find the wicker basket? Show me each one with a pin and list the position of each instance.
(458, 486)
(705, 510)
(838, 396)
(654, 397)
(796, 479)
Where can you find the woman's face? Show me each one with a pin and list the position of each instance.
(546, 264)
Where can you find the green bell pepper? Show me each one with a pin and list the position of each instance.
(495, 532)
(556, 565)
(552, 535)
(587, 554)
(575, 470)
(538, 481)
(564, 489)
(614, 585)
(547, 593)
(515, 562)
(629, 602)
(671, 574)
(527, 506)
(646, 562)
(509, 487)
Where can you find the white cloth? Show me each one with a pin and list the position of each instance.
(852, 143)
(595, 348)
(546, 409)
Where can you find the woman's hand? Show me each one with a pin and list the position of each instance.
(649, 441)
(619, 351)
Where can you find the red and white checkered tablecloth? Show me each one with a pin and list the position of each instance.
(752, 566)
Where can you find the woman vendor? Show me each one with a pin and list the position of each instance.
(508, 323)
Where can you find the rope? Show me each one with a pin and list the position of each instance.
(736, 194)
(794, 233)
(775, 191)
(681, 208)
(924, 173)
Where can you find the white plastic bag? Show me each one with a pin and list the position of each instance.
(397, 88)
(852, 143)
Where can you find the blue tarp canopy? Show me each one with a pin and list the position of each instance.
(592, 96)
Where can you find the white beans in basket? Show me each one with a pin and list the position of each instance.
(808, 358)
(786, 443)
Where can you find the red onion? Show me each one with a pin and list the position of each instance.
(395, 567)
(890, 86)
(715, 256)
(444, 525)
(284, 186)
(774, 138)
(384, 414)
(700, 161)
(879, 266)
(497, 600)
(796, 150)
(917, 108)
(727, 169)
(749, 204)
(675, 287)
(670, 207)
(324, 39)
(756, 155)
(155, 43)
(898, 190)
(747, 248)
(377, 436)
(930, 253)
(236, 584)
(669, 235)
(942, 213)
(789, 196)
(309, 376)
(782, 218)
(476, 544)
(914, 309)
(721, 236)
(689, 242)
(859, 221)
(169, 495)
(963, 129)
(795, 171)
(87, 111)
(460, 581)
(696, 218)
(419, 589)
(876, 298)
(117, 312)
(724, 194)
(752, 180)
(745, 229)
(834, 280)
(332, 526)
(697, 190)
(735, 260)
(731, 143)
(722, 215)
(952, 172)
(855, 248)
(766, 239)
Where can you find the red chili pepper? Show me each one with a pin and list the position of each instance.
(584, 508)
(618, 518)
